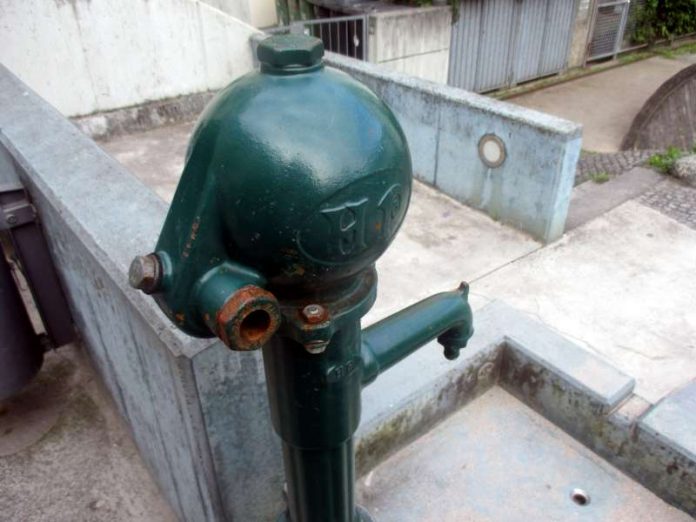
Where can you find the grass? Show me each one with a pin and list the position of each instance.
(663, 161)
(600, 177)
(689, 48)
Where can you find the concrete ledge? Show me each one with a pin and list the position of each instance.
(105, 125)
(673, 420)
(530, 190)
(537, 365)
(574, 389)
(167, 385)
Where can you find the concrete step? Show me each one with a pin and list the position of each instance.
(591, 200)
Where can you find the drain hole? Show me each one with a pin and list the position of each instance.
(580, 497)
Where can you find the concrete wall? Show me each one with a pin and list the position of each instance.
(98, 55)
(530, 190)
(259, 13)
(667, 117)
(412, 41)
(581, 33)
(197, 411)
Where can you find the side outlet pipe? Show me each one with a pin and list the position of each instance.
(445, 316)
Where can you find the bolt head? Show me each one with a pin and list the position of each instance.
(11, 219)
(314, 314)
(288, 50)
(145, 273)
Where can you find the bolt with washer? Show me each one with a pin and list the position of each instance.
(314, 314)
(145, 273)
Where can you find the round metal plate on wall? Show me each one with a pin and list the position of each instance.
(492, 150)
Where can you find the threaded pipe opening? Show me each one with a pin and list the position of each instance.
(255, 326)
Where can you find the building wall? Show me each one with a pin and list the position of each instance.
(98, 55)
(412, 41)
(259, 13)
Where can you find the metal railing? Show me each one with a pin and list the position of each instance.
(609, 27)
(346, 35)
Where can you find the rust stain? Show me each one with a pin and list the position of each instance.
(192, 237)
(180, 318)
(248, 319)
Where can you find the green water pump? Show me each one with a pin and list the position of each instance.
(297, 179)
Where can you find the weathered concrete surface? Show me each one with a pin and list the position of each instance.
(666, 119)
(498, 460)
(622, 286)
(529, 191)
(66, 454)
(604, 103)
(155, 156)
(673, 420)
(424, 53)
(591, 199)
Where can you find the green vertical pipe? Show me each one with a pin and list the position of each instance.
(315, 409)
(320, 483)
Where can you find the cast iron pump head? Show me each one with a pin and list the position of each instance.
(296, 180)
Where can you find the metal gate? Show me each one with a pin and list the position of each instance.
(612, 27)
(499, 43)
(346, 35)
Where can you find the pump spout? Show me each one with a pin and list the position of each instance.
(445, 316)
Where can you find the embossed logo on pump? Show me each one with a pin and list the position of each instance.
(356, 222)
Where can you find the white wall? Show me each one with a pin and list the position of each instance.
(263, 13)
(259, 13)
(85, 56)
(412, 41)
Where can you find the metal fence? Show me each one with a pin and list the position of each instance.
(499, 43)
(346, 35)
(613, 26)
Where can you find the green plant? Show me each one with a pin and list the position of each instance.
(600, 177)
(664, 19)
(663, 161)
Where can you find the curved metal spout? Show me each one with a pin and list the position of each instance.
(446, 316)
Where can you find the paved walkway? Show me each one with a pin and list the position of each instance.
(605, 103)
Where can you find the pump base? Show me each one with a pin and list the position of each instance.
(363, 516)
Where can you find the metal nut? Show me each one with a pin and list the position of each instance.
(314, 314)
(11, 219)
(145, 273)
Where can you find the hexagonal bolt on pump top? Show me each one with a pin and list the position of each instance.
(296, 181)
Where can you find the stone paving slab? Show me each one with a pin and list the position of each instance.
(673, 199)
(610, 163)
(66, 454)
(592, 199)
(673, 420)
(622, 286)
